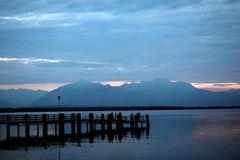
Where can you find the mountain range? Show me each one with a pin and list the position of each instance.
(159, 92)
(19, 97)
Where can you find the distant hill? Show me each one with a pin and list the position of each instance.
(159, 92)
(4, 103)
(19, 97)
(234, 91)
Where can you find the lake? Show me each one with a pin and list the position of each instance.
(174, 134)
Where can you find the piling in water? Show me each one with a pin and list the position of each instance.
(45, 125)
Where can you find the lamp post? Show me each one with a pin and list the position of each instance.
(59, 97)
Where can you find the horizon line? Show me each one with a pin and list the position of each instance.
(211, 86)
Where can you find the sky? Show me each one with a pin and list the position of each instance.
(59, 42)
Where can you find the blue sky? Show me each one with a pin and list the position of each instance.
(48, 41)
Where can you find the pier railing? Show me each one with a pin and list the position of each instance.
(12, 119)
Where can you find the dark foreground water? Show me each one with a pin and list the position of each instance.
(185, 134)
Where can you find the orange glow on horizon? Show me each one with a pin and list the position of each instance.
(115, 83)
(52, 86)
(33, 86)
(217, 86)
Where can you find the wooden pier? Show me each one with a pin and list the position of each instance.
(81, 126)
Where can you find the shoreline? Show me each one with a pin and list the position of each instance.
(110, 108)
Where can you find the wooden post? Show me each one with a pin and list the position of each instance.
(18, 130)
(119, 126)
(116, 119)
(119, 121)
(147, 132)
(38, 130)
(27, 128)
(94, 125)
(91, 122)
(147, 121)
(91, 128)
(132, 124)
(45, 125)
(73, 123)
(55, 123)
(109, 127)
(102, 123)
(137, 117)
(147, 125)
(79, 125)
(61, 124)
(109, 122)
(8, 126)
(103, 126)
(131, 121)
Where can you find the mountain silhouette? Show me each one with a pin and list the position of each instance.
(19, 97)
(85, 93)
(159, 92)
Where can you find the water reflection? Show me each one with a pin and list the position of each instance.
(213, 126)
(187, 134)
(113, 136)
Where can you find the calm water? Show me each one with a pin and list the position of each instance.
(191, 134)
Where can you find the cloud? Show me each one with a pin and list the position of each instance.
(30, 60)
(121, 39)
(76, 13)
(59, 16)
(87, 62)
(17, 7)
(222, 84)
(34, 17)
(61, 19)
